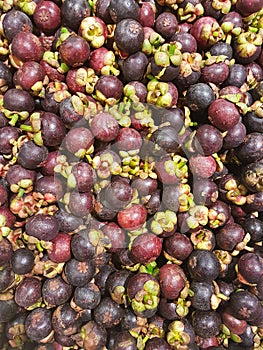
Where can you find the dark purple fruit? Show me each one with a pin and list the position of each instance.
(27, 47)
(166, 24)
(254, 227)
(247, 7)
(47, 17)
(104, 127)
(42, 226)
(8, 135)
(60, 250)
(78, 273)
(199, 97)
(56, 292)
(129, 36)
(134, 67)
(122, 10)
(5, 251)
(18, 100)
(206, 323)
(172, 280)
(14, 22)
(157, 343)
(67, 222)
(73, 12)
(22, 261)
(74, 51)
(223, 114)
(178, 246)
(250, 268)
(28, 292)
(133, 217)
(8, 310)
(203, 265)
(88, 296)
(65, 320)
(95, 336)
(146, 248)
(108, 89)
(123, 341)
(208, 140)
(251, 149)
(228, 237)
(203, 292)
(235, 136)
(244, 305)
(108, 313)
(6, 79)
(205, 191)
(7, 277)
(143, 290)
(31, 156)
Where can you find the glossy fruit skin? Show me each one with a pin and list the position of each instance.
(47, 168)
(244, 305)
(113, 311)
(7, 277)
(88, 296)
(52, 129)
(27, 47)
(18, 100)
(138, 60)
(47, 16)
(237, 75)
(223, 114)
(254, 227)
(247, 7)
(250, 268)
(208, 139)
(78, 273)
(66, 221)
(29, 74)
(203, 265)
(206, 323)
(8, 135)
(250, 150)
(31, 156)
(8, 310)
(146, 248)
(42, 226)
(60, 251)
(55, 291)
(235, 136)
(229, 236)
(199, 96)
(104, 127)
(166, 24)
(74, 51)
(73, 12)
(178, 246)
(132, 218)
(65, 320)
(172, 280)
(119, 11)
(129, 36)
(14, 22)
(28, 292)
(22, 261)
